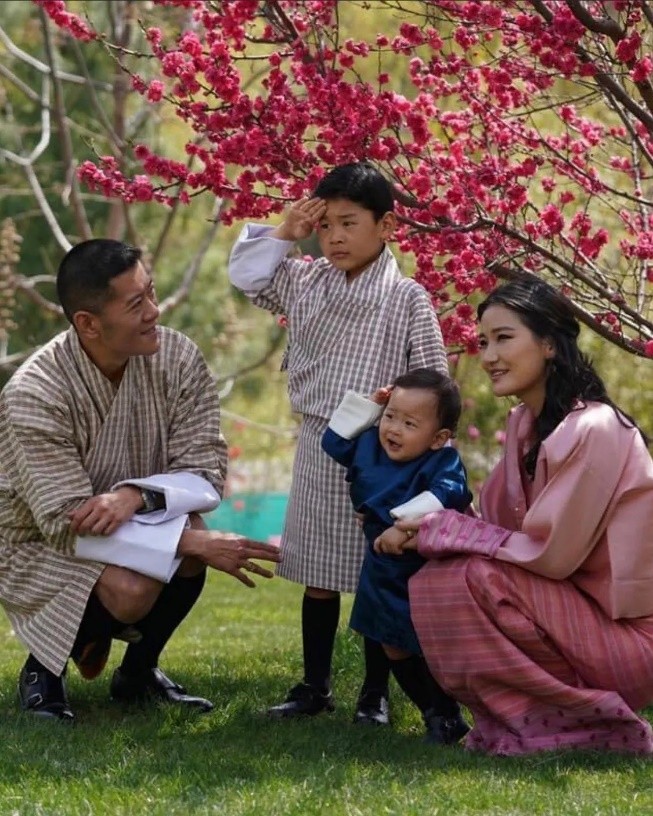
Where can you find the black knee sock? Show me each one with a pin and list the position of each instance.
(97, 624)
(418, 684)
(34, 665)
(173, 604)
(319, 625)
(377, 668)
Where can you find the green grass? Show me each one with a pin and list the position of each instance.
(241, 648)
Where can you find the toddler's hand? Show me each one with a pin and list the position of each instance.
(381, 395)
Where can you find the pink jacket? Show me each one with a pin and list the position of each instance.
(587, 516)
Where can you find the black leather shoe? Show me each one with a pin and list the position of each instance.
(372, 708)
(444, 730)
(152, 686)
(44, 694)
(302, 700)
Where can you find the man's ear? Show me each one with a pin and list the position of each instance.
(441, 438)
(86, 324)
(388, 224)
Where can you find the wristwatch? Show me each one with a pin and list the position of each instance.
(149, 501)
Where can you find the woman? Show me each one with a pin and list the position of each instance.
(539, 616)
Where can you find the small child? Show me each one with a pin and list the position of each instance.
(401, 469)
(354, 321)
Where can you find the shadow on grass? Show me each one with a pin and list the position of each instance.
(237, 742)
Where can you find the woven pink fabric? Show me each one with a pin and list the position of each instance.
(507, 644)
(539, 615)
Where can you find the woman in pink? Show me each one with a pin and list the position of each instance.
(538, 616)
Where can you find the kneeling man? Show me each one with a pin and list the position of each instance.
(98, 429)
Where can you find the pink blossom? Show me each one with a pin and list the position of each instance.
(473, 432)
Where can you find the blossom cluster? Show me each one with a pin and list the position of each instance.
(501, 139)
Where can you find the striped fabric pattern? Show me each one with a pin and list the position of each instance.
(359, 335)
(67, 434)
(504, 642)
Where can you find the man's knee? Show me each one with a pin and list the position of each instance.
(127, 595)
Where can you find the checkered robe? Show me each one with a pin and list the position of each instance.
(342, 335)
(66, 434)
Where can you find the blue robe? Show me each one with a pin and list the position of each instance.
(377, 484)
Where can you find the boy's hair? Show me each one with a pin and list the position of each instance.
(443, 387)
(85, 273)
(361, 183)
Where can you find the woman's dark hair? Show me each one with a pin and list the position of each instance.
(443, 388)
(361, 183)
(571, 375)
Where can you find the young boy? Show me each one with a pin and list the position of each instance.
(353, 322)
(401, 469)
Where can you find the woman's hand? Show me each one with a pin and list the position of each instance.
(410, 527)
(393, 542)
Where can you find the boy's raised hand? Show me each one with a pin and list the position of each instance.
(301, 218)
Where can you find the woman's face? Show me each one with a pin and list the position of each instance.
(514, 358)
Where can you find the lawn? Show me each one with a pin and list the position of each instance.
(241, 648)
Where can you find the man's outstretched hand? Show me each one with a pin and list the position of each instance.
(230, 553)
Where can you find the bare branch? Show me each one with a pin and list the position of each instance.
(181, 293)
(13, 49)
(81, 221)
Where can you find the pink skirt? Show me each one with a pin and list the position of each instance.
(538, 663)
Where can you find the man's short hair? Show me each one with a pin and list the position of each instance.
(86, 271)
(443, 387)
(361, 183)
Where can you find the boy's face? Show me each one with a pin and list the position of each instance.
(409, 425)
(349, 236)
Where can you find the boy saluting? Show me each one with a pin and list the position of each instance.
(354, 323)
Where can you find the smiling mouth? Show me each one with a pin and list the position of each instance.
(494, 375)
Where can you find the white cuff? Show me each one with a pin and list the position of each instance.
(147, 550)
(354, 415)
(420, 505)
(255, 258)
(184, 493)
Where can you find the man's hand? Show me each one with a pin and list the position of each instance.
(103, 514)
(301, 218)
(393, 542)
(231, 553)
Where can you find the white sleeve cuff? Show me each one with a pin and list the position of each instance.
(184, 493)
(420, 505)
(255, 258)
(354, 415)
(149, 551)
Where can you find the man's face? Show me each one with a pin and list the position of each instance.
(127, 324)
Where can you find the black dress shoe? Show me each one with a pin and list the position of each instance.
(43, 694)
(372, 708)
(302, 700)
(444, 730)
(152, 686)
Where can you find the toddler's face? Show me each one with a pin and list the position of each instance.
(409, 425)
(350, 238)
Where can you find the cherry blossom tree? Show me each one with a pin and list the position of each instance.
(518, 133)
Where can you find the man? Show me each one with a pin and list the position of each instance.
(114, 398)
